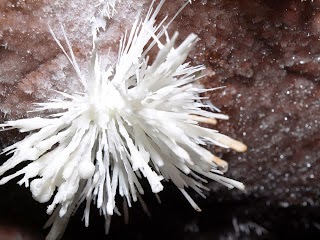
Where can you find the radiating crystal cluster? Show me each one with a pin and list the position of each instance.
(133, 119)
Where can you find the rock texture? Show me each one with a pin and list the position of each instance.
(267, 56)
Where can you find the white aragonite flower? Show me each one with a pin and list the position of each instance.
(132, 120)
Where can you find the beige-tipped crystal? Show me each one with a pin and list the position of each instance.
(238, 146)
(212, 121)
(234, 144)
(222, 164)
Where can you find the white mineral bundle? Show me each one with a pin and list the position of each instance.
(134, 119)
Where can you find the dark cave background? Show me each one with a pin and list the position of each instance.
(223, 217)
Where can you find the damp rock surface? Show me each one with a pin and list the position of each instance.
(267, 55)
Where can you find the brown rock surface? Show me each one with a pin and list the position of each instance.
(268, 57)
